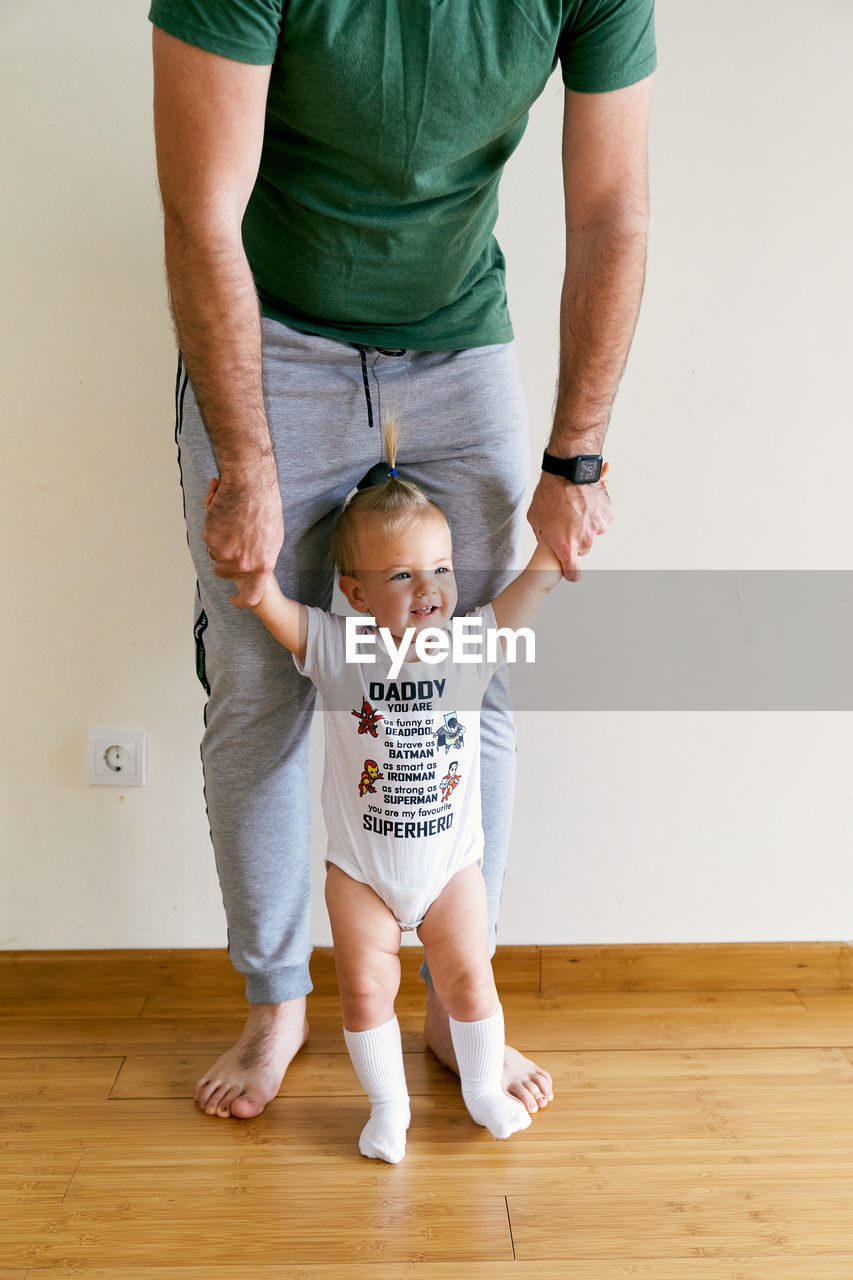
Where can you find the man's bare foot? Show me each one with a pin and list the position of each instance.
(521, 1078)
(248, 1076)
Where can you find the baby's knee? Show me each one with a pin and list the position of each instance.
(366, 1003)
(470, 994)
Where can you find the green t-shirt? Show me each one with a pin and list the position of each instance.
(388, 125)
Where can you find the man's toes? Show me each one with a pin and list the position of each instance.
(543, 1082)
(518, 1089)
(211, 1106)
(247, 1105)
(203, 1091)
(224, 1105)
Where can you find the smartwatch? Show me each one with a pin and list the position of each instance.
(584, 468)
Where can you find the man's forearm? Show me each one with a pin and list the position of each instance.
(602, 289)
(217, 320)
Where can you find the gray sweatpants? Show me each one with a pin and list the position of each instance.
(463, 438)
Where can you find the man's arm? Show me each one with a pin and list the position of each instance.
(209, 126)
(605, 176)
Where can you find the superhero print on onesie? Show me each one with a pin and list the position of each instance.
(368, 719)
(369, 775)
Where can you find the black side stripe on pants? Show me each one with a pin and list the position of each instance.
(200, 625)
(180, 391)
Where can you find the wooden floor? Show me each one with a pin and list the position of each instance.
(702, 1128)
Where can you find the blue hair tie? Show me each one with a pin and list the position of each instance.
(392, 472)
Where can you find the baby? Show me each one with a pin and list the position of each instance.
(401, 792)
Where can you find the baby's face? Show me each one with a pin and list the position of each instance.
(407, 577)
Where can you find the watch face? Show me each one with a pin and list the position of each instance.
(587, 470)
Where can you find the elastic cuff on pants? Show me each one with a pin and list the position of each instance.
(284, 984)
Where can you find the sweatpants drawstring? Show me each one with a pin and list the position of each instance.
(382, 351)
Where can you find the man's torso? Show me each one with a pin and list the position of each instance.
(388, 125)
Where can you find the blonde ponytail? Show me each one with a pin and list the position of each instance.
(390, 437)
(396, 501)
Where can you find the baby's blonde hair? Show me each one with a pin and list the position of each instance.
(397, 503)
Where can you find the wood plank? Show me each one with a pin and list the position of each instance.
(208, 972)
(714, 1200)
(516, 971)
(682, 1220)
(838, 1267)
(688, 1001)
(515, 968)
(677, 1069)
(314, 1075)
(333, 1127)
(286, 1228)
(25, 1082)
(54, 1007)
(111, 1037)
(837, 1003)
(35, 1173)
(535, 1024)
(719, 1111)
(645, 1021)
(726, 966)
(29, 974)
(114, 1124)
(196, 972)
(318, 1075)
(454, 1157)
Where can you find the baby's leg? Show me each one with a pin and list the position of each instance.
(456, 947)
(367, 945)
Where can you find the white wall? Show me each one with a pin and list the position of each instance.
(629, 826)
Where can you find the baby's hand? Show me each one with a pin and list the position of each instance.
(545, 558)
(214, 485)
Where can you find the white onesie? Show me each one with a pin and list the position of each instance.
(401, 787)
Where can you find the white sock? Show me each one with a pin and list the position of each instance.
(480, 1056)
(377, 1056)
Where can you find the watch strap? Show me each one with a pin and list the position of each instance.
(583, 468)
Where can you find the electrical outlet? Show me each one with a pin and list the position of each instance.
(117, 757)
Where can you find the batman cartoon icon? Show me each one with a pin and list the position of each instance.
(451, 733)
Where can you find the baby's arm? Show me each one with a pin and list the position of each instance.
(286, 619)
(518, 604)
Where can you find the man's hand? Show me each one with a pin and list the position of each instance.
(244, 530)
(569, 517)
